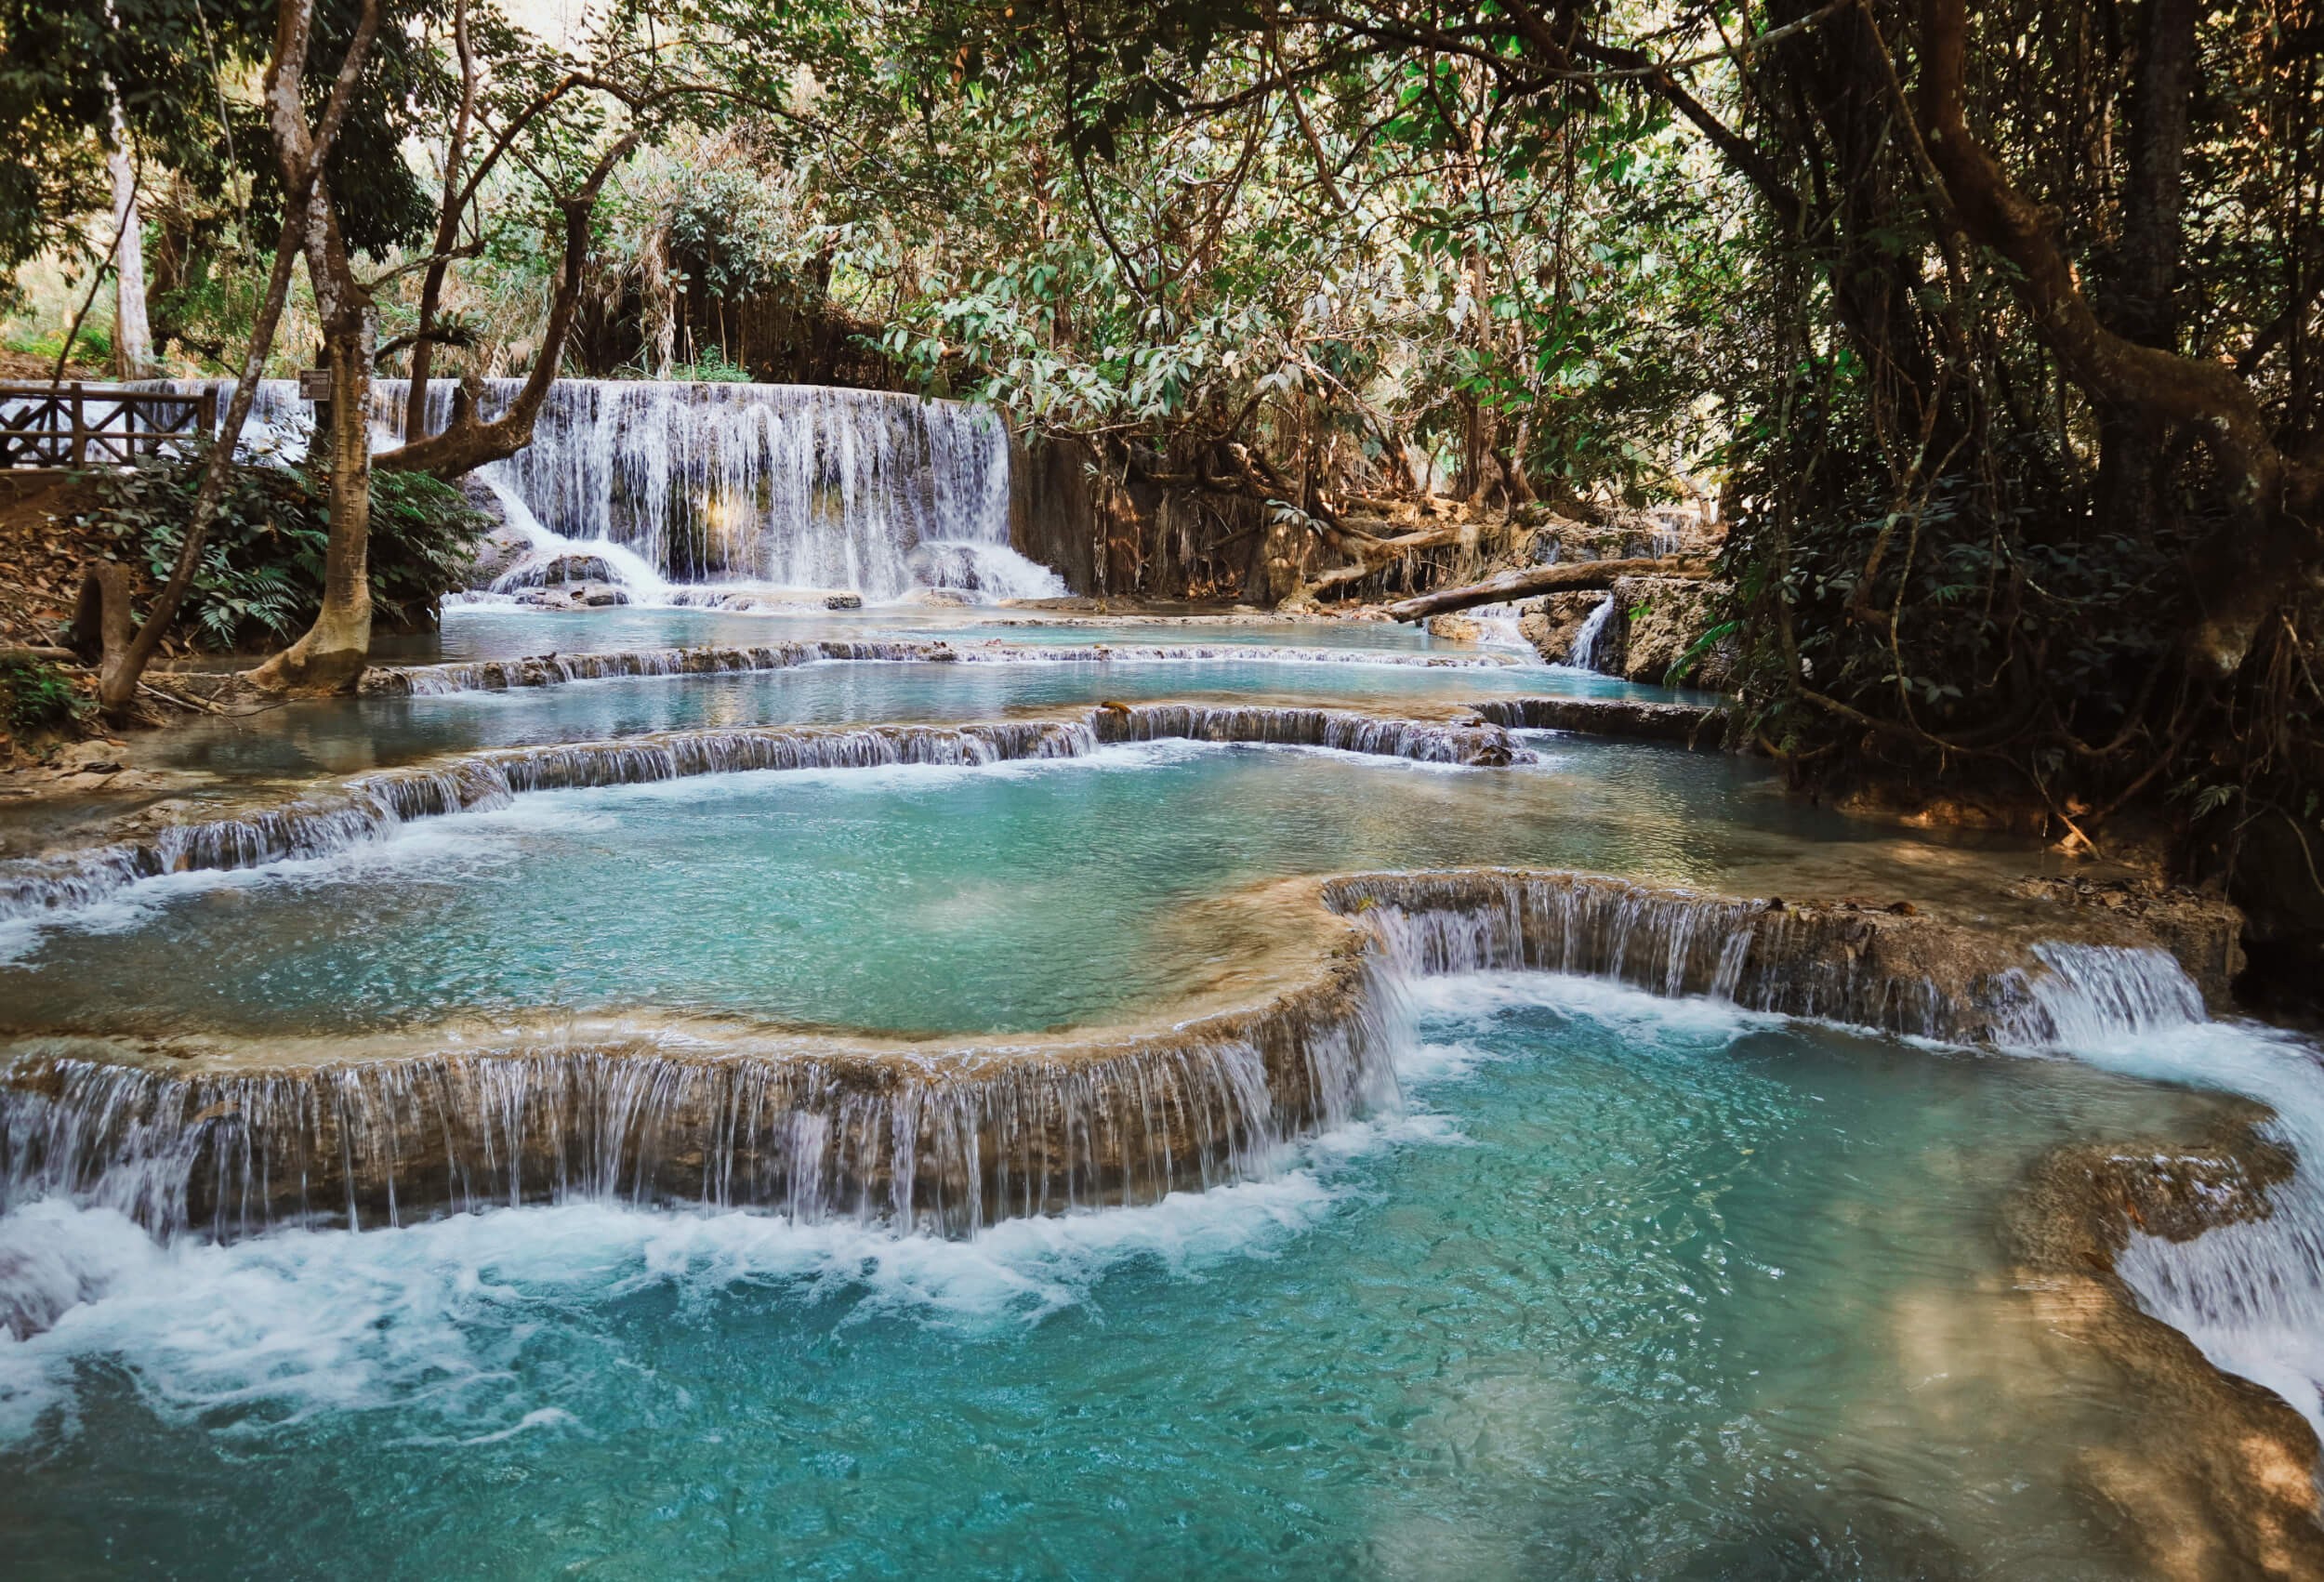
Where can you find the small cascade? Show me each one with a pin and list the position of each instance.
(2249, 1290)
(1897, 973)
(552, 669)
(372, 806)
(1584, 654)
(1694, 725)
(698, 493)
(940, 1143)
(1478, 745)
(2092, 993)
(635, 574)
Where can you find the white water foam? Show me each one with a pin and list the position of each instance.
(2250, 1294)
(438, 1319)
(1583, 655)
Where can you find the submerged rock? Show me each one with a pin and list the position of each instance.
(1455, 628)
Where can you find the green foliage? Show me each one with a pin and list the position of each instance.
(261, 579)
(1686, 663)
(712, 368)
(35, 695)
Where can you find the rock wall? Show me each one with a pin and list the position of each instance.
(1052, 510)
(1553, 624)
(1655, 621)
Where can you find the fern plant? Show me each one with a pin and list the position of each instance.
(260, 582)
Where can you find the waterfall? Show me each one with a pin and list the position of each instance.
(555, 669)
(1583, 655)
(947, 1139)
(940, 1142)
(745, 485)
(1901, 973)
(707, 492)
(1694, 725)
(372, 806)
(1480, 746)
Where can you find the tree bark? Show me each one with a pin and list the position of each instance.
(331, 656)
(468, 444)
(447, 231)
(120, 672)
(2272, 546)
(1577, 577)
(133, 336)
(2140, 302)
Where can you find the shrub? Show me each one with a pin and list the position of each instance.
(35, 695)
(261, 579)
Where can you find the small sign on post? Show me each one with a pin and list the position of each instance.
(314, 384)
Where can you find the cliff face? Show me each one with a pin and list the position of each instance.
(1052, 510)
(1655, 621)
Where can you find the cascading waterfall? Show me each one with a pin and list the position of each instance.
(2250, 1293)
(1481, 745)
(703, 493)
(948, 1139)
(554, 669)
(1696, 725)
(765, 485)
(1583, 655)
(372, 806)
(1901, 973)
(940, 1144)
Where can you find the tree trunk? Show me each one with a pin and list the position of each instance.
(302, 155)
(2140, 306)
(331, 656)
(2272, 545)
(133, 336)
(467, 444)
(1575, 576)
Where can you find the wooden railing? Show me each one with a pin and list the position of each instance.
(76, 425)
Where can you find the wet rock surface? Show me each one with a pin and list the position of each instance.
(2220, 1482)
(2204, 932)
(1694, 725)
(1551, 624)
(1657, 623)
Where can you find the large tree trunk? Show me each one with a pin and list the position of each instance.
(468, 444)
(126, 654)
(2273, 546)
(1574, 577)
(2139, 299)
(331, 656)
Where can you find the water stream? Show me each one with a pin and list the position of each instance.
(841, 1108)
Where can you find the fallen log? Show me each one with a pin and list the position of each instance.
(1375, 554)
(1527, 582)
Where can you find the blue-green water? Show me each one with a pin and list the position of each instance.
(1011, 897)
(1624, 1289)
(498, 632)
(339, 736)
(1633, 1289)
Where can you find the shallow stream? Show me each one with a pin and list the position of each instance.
(1608, 1285)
